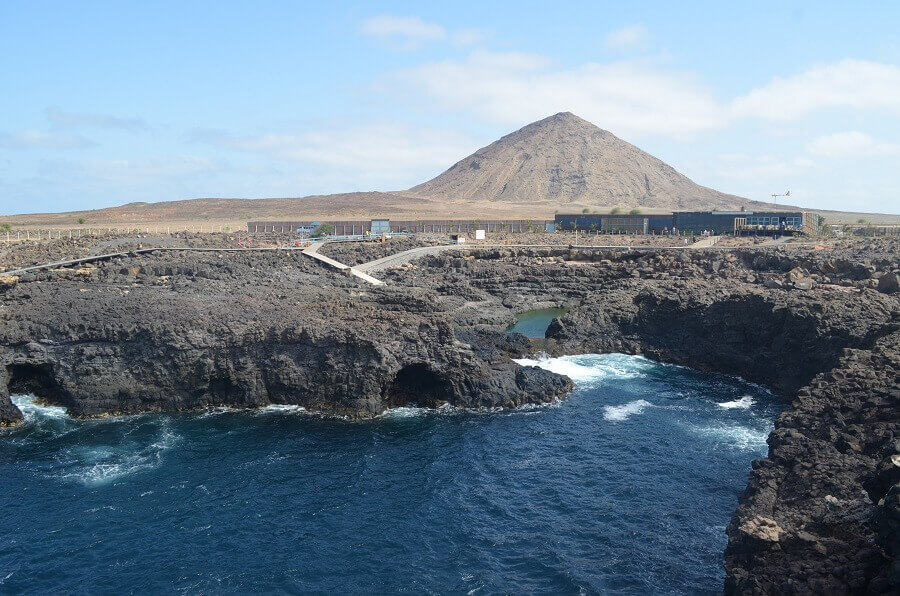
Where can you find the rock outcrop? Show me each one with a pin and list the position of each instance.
(253, 329)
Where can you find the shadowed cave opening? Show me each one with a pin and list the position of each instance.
(36, 379)
(417, 385)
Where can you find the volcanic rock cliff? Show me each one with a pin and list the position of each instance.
(249, 330)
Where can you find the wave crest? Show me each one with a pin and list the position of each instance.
(743, 404)
(625, 411)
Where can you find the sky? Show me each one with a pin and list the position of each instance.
(104, 103)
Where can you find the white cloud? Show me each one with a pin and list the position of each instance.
(383, 153)
(150, 174)
(37, 139)
(626, 97)
(743, 166)
(855, 84)
(850, 144)
(628, 37)
(85, 119)
(409, 32)
(468, 37)
(637, 97)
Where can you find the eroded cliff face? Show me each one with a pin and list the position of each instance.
(817, 514)
(245, 331)
(814, 512)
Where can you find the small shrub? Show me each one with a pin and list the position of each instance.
(323, 230)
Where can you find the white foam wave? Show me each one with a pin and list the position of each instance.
(35, 412)
(406, 412)
(100, 465)
(588, 369)
(739, 437)
(623, 412)
(283, 409)
(744, 403)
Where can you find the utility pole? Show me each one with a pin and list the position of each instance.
(775, 199)
(775, 196)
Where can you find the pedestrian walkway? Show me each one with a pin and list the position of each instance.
(313, 252)
(706, 242)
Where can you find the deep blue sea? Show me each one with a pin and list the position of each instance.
(625, 487)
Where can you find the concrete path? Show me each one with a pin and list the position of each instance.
(313, 252)
(401, 258)
(707, 242)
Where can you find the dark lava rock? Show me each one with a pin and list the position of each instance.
(889, 283)
(806, 283)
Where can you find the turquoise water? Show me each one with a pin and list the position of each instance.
(534, 323)
(625, 487)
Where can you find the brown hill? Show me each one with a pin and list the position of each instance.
(564, 159)
(561, 163)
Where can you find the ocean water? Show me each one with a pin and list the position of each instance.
(625, 487)
(534, 323)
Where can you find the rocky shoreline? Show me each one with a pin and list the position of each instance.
(820, 325)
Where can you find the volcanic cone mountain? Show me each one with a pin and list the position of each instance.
(565, 159)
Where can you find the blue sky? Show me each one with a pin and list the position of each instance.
(104, 103)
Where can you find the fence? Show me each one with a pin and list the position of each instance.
(417, 226)
(28, 234)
